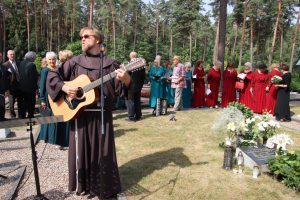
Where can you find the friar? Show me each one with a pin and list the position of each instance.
(93, 167)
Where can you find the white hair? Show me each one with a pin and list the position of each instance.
(187, 64)
(51, 54)
(218, 62)
(249, 64)
(30, 55)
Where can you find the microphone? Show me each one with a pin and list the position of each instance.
(102, 47)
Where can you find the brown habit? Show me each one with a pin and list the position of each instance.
(96, 166)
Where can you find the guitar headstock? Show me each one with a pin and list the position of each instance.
(135, 65)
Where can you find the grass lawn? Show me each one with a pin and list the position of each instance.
(161, 159)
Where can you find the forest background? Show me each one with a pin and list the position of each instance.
(256, 30)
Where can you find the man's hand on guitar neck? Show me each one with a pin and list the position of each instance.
(123, 76)
(70, 91)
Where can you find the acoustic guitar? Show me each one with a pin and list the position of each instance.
(86, 93)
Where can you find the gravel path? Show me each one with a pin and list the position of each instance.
(52, 166)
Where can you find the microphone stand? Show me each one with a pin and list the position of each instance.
(101, 90)
(39, 195)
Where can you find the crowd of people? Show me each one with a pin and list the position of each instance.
(92, 162)
(255, 89)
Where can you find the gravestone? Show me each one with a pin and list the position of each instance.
(256, 156)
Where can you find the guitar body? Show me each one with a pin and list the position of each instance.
(69, 108)
(86, 94)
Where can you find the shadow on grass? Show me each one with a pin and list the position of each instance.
(135, 170)
(120, 132)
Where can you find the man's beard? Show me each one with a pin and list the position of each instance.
(85, 48)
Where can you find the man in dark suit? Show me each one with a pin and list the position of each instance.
(28, 84)
(3, 88)
(133, 97)
(14, 78)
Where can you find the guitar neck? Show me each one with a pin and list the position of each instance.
(97, 82)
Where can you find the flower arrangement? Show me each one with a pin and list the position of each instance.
(231, 122)
(266, 128)
(279, 141)
(247, 112)
(276, 79)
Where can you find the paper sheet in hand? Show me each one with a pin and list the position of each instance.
(208, 91)
(242, 76)
(195, 76)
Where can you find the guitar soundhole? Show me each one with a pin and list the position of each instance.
(79, 93)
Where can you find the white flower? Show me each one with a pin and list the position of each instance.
(281, 140)
(265, 124)
(257, 117)
(261, 128)
(249, 121)
(231, 126)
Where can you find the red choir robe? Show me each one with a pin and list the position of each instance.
(272, 94)
(259, 84)
(245, 96)
(213, 79)
(228, 89)
(199, 88)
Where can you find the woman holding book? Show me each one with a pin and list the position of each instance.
(156, 76)
(228, 89)
(245, 76)
(258, 88)
(199, 85)
(271, 89)
(213, 83)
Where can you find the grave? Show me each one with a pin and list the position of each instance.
(256, 156)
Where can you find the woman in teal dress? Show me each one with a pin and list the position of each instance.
(187, 92)
(53, 133)
(156, 76)
(169, 92)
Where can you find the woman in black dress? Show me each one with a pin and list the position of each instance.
(282, 108)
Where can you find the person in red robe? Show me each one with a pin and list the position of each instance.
(228, 89)
(213, 83)
(272, 89)
(258, 88)
(245, 96)
(199, 85)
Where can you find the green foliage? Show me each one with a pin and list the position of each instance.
(75, 47)
(295, 84)
(247, 112)
(38, 62)
(286, 167)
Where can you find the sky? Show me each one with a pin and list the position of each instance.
(206, 6)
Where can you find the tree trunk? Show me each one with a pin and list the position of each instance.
(215, 56)
(47, 26)
(243, 33)
(58, 33)
(35, 27)
(156, 45)
(190, 47)
(42, 21)
(294, 42)
(204, 48)
(275, 31)
(4, 35)
(91, 13)
(251, 40)
(235, 39)
(28, 26)
(222, 32)
(51, 31)
(195, 42)
(281, 40)
(171, 43)
(135, 29)
(112, 9)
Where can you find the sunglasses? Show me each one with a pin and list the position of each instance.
(85, 36)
